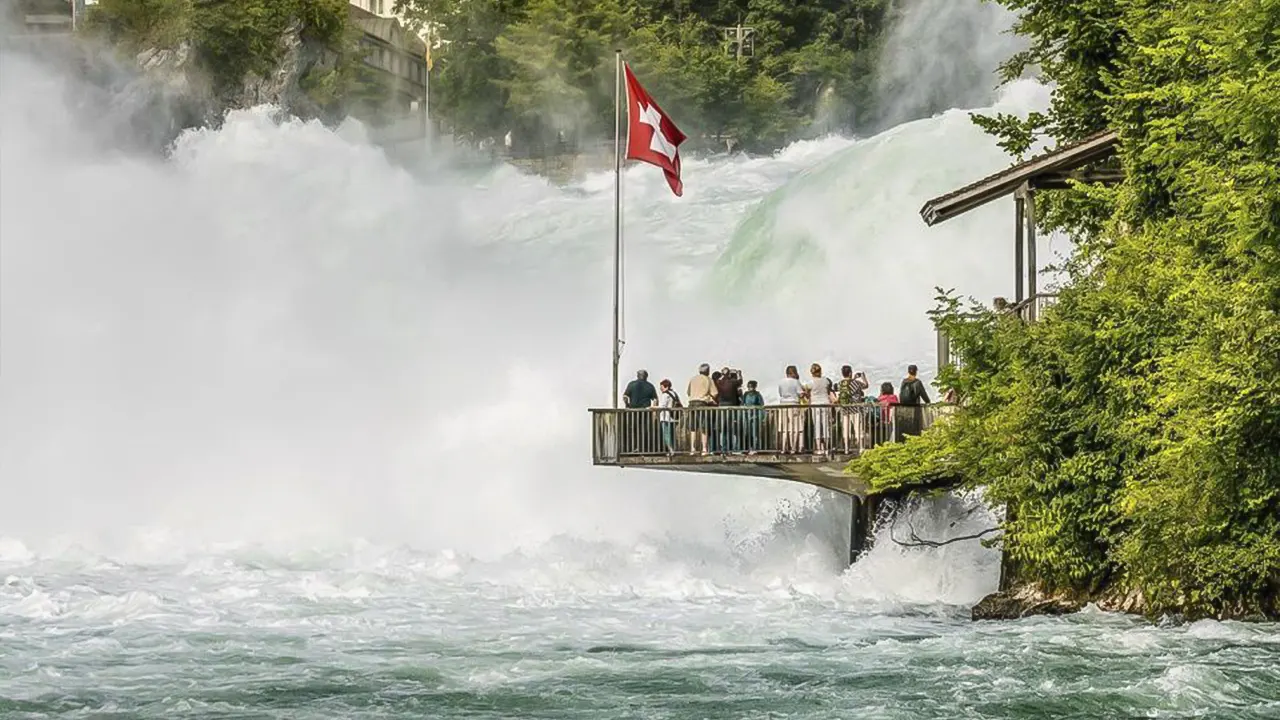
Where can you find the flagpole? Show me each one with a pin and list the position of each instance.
(617, 213)
(426, 94)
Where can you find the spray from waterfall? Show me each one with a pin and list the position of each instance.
(274, 336)
(942, 54)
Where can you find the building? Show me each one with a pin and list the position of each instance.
(394, 69)
(381, 8)
(47, 17)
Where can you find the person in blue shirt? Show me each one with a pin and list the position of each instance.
(639, 431)
(753, 398)
(640, 393)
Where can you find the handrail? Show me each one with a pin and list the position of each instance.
(776, 433)
(1029, 309)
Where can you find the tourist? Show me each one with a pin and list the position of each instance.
(791, 419)
(888, 401)
(668, 401)
(640, 393)
(820, 393)
(850, 395)
(753, 399)
(912, 390)
(728, 395)
(911, 395)
(701, 394)
(713, 418)
(638, 428)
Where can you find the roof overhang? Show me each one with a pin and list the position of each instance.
(1054, 169)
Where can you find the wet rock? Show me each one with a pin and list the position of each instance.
(1023, 602)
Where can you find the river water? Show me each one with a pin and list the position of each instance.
(288, 431)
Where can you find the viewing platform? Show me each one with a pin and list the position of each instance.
(750, 440)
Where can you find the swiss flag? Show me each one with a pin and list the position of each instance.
(651, 136)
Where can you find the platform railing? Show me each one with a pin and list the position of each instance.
(1033, 307)
(778, 433)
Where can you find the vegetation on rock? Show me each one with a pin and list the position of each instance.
(1135, 430)
(231, 40)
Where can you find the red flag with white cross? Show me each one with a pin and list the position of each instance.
(651, 136)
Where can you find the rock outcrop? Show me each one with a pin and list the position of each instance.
(1029, 599)
(145, 101)
(174, 74)
(1022, 602)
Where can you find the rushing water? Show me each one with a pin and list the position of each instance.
(288, 432)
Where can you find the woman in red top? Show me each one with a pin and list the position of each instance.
(887, 400)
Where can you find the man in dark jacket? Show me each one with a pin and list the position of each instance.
(912, 391)
(911, 395)
(640, 393)
(639, 430)
(729, 394)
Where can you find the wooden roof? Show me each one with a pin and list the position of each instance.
(1047, 170)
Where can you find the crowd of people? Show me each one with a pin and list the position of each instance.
(804, 416)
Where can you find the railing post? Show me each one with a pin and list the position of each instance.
(606, 436)
(1032, 263)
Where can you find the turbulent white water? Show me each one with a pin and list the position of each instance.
(276, 336)
(286, 431)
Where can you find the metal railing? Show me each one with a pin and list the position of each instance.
(1032, 308)
(773, 433)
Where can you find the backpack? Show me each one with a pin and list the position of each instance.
(911, 392)
(850, 392)
(675, 399)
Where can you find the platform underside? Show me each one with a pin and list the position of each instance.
(825, 472)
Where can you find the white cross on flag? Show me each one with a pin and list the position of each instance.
(651, 136)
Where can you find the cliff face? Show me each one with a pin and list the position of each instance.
(1027, 599)
(173, 75)
(144, 101)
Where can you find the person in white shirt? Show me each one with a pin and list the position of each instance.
(791, 419)
(667, 399)
(821, 395)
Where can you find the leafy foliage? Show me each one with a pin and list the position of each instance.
(542, 68)
(1135, 428)
(561, 56)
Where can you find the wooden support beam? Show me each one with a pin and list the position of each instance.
(1062, 180)
(1019, 267)
(1033, 268)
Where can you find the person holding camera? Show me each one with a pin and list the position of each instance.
(729, 395)
(850, 396)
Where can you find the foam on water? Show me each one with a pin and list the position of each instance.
(277, 338)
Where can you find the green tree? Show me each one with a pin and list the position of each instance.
(468, 81)
(1134, 429)
(562, 54)
(548, 68)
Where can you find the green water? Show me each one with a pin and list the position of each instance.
(401, 635)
